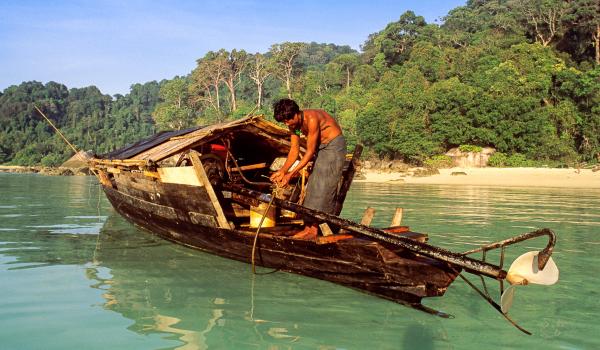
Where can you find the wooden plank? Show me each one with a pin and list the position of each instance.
(202, 219)
(123, 162)
(185, 175)
(404, 231)
(182, 197)
(346, 180)
(397, 219)
(152, 174)
(201, 174)
(250, 167)
(333, 239)
(367, 216)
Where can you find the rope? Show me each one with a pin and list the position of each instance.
(230, 155)
(262, 219)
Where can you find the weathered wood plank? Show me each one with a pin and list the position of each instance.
(397, 219)
(367, 216)
(199, 169)
(250, 167)
(183, 197)
(346, 180)
(185, 175)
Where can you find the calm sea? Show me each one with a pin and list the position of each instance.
(75, 275)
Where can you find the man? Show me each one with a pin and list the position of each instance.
(325, 142)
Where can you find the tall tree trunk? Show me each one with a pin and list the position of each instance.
(216, 86)
(233, 101)
(260, 92)
(347, 78)
(231, 87)
(597, 43)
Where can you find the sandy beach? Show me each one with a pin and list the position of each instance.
(509, 177)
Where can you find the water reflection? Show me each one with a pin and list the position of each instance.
(77, 263)
(202, 300)
(473, 215)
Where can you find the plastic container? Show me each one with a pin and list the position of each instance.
(256, 214)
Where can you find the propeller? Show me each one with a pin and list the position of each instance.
(525, 270)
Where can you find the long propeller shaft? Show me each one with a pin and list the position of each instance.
(455, 259)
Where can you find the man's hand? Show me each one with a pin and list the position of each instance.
(277, 176)
(281, 178)
(285, 180)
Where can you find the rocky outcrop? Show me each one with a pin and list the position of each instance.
(470, 159)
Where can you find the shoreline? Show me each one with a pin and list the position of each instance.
(38, 169)
(502, 177)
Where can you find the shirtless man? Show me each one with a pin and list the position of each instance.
(325, 142)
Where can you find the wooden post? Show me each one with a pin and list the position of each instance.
(201, 174)
(397, 219)
(346, 180)
(367, 216)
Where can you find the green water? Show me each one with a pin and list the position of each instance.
(75, 275)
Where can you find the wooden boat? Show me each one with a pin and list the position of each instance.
(207, 188)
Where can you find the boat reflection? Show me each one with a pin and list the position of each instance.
(203, 301)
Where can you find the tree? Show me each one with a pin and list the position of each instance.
(365, 75)
(173, 113)
(397, 39)
(206, 79)
(430, 60)
(584, 22)
(348, 62)
(284, 56)
(260, 69)
(544, 18)
(448, 113)
(235, 63)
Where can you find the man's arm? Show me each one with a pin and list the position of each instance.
(312, 142)
(292, 154)
(291, 158)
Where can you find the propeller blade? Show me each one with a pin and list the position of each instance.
(524, 270)
(506, 300)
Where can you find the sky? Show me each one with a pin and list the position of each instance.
(113, 44)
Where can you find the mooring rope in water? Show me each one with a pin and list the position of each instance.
(94, 259)
(262, 219)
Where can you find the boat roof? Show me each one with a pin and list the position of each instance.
(166, 144)
(145, 144)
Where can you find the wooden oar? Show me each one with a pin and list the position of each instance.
(459, 260)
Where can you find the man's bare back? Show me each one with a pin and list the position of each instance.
(329, 129)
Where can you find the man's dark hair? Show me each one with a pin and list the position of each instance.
(285, 109)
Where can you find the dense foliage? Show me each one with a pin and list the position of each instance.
(520, 76)
(87, 118)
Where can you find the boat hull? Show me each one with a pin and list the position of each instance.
(183, 214)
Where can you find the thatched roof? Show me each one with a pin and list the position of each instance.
(166, 144)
